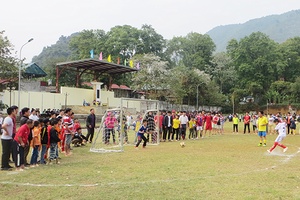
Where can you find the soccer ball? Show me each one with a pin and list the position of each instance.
(182, 144)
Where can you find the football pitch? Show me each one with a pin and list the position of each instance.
(229, 166)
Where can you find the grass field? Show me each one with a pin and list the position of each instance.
(218, 167)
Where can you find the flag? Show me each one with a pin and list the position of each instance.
(118, 60)
(131, 63)
(92, 53)
(100, 56)
(125, 62)
(137, 66)
(109, 58)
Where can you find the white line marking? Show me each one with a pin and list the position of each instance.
(284, 161)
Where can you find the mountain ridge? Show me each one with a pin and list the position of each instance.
(278, 27)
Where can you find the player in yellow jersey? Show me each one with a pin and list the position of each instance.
(262, 128)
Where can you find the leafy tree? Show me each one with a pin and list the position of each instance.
(295, 90)
(85, 41)
(151, 41)
(290, 59)
(8, 63)
(255, 58)
(151, 76)
(198, 51)
(223, 72)
(194, 50)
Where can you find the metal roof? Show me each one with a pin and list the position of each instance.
(33, 70)
(97, 65)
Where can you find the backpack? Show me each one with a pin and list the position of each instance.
(219, 121)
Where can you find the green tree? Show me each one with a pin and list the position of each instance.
(85, 41)
(151, 41)
(288, 69)
(223, 72)
(8, 63)
(195, 50)
(255, 58)
(295, 90)
(151, 76)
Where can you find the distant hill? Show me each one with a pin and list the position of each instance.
(56, 51)
(277, 27)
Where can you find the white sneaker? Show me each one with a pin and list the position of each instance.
(268, 151)
(285, 149)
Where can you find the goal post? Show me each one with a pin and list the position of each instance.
(100, 144)
(145, 107)
(114, 139)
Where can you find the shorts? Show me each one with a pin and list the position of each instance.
(68, 139)
(280, 138)
(199, 128)
(262, 133)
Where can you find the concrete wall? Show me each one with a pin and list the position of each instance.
(42, 100)
(76, 96)
(68, 96)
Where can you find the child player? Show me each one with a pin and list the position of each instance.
(280, 127)
(140, 135)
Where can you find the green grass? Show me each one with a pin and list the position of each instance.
(217, 167)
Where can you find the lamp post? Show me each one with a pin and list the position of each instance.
(19, 83)
(10, 88)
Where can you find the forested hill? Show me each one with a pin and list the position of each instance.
(277, 27)
(54, 52)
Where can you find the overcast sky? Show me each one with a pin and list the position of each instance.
(46, 21)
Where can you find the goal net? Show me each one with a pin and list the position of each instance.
(118, 127)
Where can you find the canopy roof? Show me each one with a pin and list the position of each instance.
(34, 71)
(91, 66)
(97, 65)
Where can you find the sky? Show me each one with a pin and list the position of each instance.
(46, 21)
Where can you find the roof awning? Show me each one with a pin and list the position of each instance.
(124, 87)
(34, 71)
(114, 86)
(89, 66)
(97, 65)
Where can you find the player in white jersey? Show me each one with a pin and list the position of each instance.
(281, 129)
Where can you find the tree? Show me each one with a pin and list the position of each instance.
(8, 63)
(85, 41)
(255, 58)
(288, 69)
(295, 90)
(195, 50)
(151, 76)
(151, 41)
(223, 72)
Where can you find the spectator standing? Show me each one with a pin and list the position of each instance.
(19, 142)
(1, 122)
(25, 116)
(90, 125)
(6, 139)
(247, 119)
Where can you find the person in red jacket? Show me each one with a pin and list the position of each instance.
(247, 119)
(19, 142)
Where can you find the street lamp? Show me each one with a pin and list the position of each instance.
(19, 85)
(10, 88)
